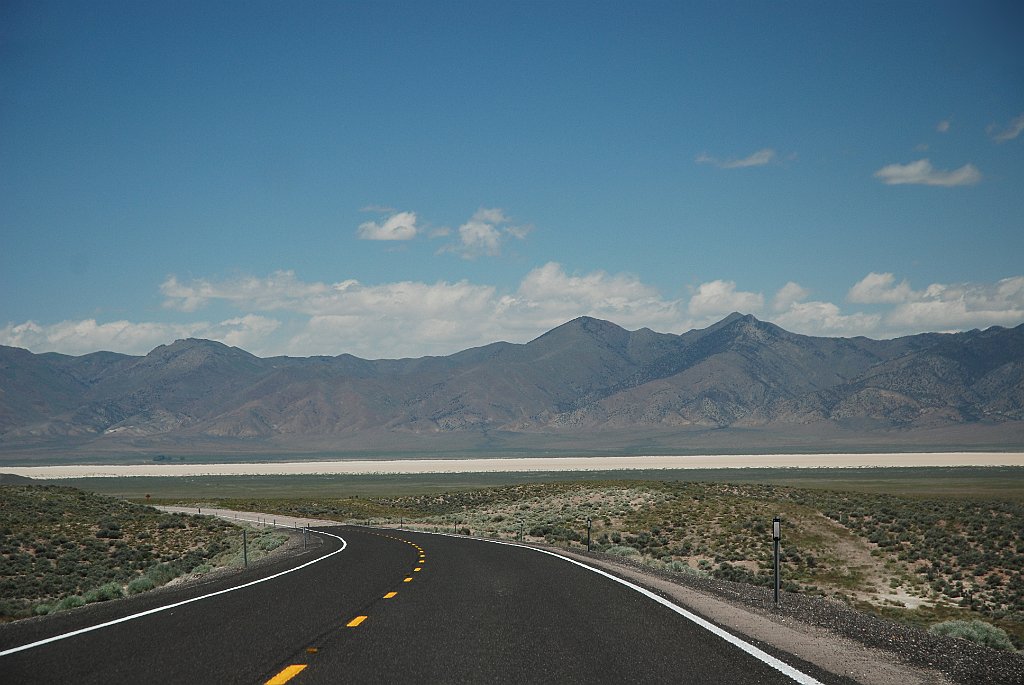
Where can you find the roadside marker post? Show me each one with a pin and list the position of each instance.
(589, 521)
(776, 536)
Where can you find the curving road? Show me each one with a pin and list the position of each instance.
(384, 606)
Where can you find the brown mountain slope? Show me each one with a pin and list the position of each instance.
(583, 385)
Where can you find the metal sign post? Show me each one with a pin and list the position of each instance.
(589, 521)
(776, 536)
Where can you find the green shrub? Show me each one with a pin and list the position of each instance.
(70, 603)
(42, 609)
(140, 584)
(622, 551)
(161, 573)
(975, 631)
(104, 593)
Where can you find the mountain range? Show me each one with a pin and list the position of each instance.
(587, 386)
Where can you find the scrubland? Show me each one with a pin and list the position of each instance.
(61, 548)
(918, 559)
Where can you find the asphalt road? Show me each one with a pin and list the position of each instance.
(392, 606)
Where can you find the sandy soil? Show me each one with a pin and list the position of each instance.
(529, 464)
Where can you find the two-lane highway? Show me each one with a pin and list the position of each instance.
(391, 606)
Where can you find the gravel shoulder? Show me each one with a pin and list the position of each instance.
(827, 633)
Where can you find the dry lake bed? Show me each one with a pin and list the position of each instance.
(529, 464)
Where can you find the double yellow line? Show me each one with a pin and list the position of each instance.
(290, 672)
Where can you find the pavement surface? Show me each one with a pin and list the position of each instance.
(384, 606)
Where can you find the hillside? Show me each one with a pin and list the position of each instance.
(586, 386)
(61, 548)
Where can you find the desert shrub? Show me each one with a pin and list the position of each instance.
(70, 603)
(104, 593)
(271, 541)
(684, 568)
(976, 631)
(42, 609)
(161, 573)
(622, 551)
(140, 584)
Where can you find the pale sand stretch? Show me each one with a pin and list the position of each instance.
(733, 461)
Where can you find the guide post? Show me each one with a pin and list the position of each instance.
(776, 536)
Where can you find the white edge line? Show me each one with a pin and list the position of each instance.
(781, 666)
(88, 629)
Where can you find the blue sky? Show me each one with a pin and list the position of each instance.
(408, 178)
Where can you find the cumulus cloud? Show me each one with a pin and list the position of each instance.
(282, 314)
(1001, 134)
(398, 226)
(788, 295)
(721, 297)
(943, 307)
(825, 318)
(922, 172)
(943, 126)
(484, 234)
(759, 158)
(878, 288)
(82, 337)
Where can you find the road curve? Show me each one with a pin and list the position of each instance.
(392, 606)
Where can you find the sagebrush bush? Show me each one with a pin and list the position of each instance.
(70, 602)
(161, 574)
(622, 551)
(140, 584)
(976, 631)
(104, 593)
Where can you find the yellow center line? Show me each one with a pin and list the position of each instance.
(407, 580)
(416, 570)
(286, 675)
(356, 621)
(390, 595)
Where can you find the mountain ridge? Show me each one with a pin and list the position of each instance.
(587, 384)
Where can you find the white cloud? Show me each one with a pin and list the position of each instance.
(82, 337)
(721, 297)
(759, 158)
(921, 172)
(788, 295)
(943, 307)
(825, 318)
(398, 226)
(1011, 131)
(280, 290)
(485, 233)
(878, 288)
(943, 126)
(413, 319)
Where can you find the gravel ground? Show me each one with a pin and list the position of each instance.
(961, 661)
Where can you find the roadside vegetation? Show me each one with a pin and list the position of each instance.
(922, 560)
(61, 548)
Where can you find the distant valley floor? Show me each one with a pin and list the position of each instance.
(528, 464)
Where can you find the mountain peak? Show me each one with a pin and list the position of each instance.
(587, 327)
